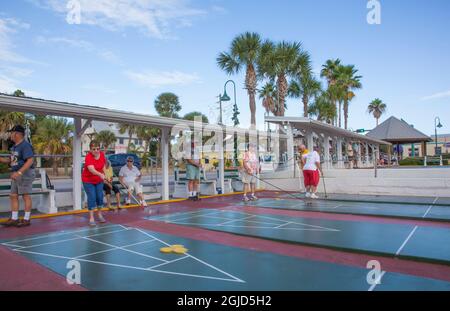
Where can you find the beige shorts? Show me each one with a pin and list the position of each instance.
(248, 178)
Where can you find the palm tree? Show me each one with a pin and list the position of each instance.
(268, 96)
(349, 81)
(53, 137)
(105, 138)
(324, 108)
(149, 135)
(7, 121)
(277, 62)
(191, 116)
(377, 108)
(304, 85)
(130, 129)
(329, 72)
(244, 52)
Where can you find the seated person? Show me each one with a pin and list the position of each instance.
(108, 186)
(130, 177)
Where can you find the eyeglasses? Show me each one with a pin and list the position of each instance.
(130, 161)
(96, 149)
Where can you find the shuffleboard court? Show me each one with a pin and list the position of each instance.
(428, 244)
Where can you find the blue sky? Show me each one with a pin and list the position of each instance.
(126, 52)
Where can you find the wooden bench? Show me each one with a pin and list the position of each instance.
(47, 200)
(232, 180)
(207, 187)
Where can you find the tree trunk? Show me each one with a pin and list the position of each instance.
(305, 106)
(283, 87)
(55, 167)
(251, 97)
(345, 113)
(377, 121)
(129, 141)
(250, 84)
(340, 108)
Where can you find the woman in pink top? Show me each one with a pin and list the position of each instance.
(250, 169)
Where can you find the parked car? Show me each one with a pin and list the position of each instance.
(120, 159)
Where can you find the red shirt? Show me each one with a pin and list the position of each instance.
(99, 164)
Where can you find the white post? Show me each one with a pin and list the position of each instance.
(425, 161)
(326, 147)
(76, 171)
(165, 163)
(440, 160)
(358, 159)
(290, 148)
(374, 157)
(309, 140)
(340, 160)
(367, 155)
(221, 156)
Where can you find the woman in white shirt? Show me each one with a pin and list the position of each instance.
(311, 168)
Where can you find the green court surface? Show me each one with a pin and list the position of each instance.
(367, 198)
(417, 211)
(399, 240)
(116, 257)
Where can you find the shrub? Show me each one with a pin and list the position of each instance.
(411, 161)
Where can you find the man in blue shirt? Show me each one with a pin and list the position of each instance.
(22, 166)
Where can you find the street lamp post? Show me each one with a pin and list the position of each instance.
(436, 126)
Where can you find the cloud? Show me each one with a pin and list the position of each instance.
(154, 17)
(108, 56)
(155, 79)
(437, 96)
(9, 26)
(9, 85)
(10, 73)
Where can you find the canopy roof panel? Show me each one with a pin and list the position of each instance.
(396, 131)
(309, 124)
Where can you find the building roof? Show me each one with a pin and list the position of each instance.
(397, 131)
(306, 123)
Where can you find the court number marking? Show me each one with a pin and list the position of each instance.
(375, 274)
(74, 275)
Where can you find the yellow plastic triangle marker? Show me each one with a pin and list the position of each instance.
(165, 250)
(177, 246)
(179, 250)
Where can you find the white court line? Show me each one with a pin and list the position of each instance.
(376, 282)
(340, 205)
(175, 214)
(125, 266)
(193, 257)
(429, 208)
(191, 216)
(71, 239)
(253, 227)
(200, 213)
(278, 227)
(80, 259)
(111, 249)
(59, 233)
(298, 223)
(406, 241)
(124, 249)
(232, 220)
(166, 263)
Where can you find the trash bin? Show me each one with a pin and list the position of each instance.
(219, 190)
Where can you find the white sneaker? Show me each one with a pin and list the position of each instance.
(128, 201)
(307, 195)
(314, 196)
(144, 203)
(253, 198)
